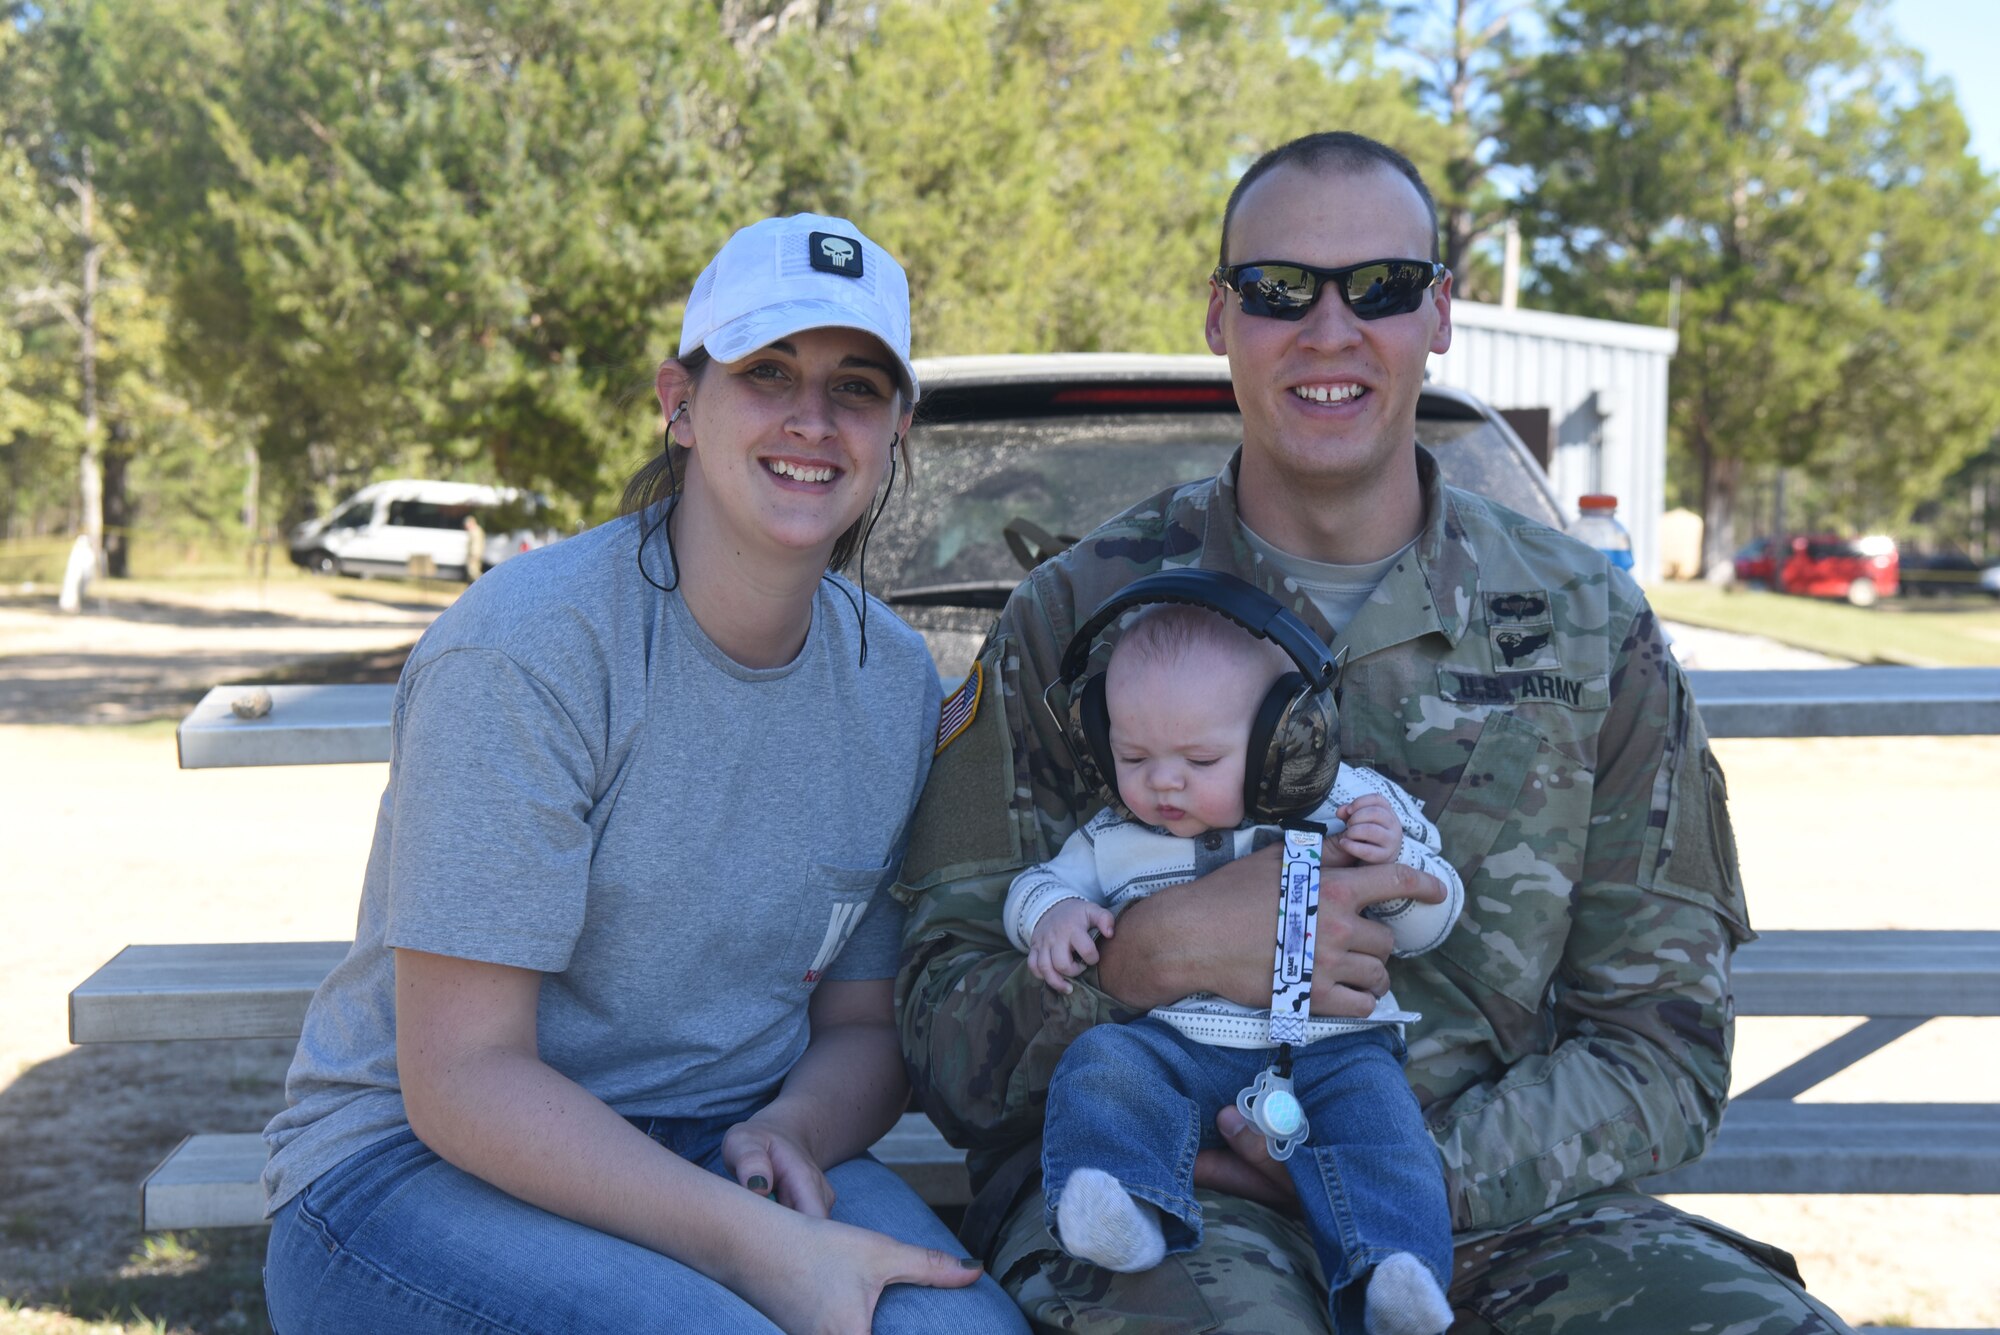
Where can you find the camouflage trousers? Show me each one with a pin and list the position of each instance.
(1615, 1262)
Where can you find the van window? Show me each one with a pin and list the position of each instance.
(426, 514)
(525, 511)
(354, 516)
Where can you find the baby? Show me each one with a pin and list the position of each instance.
(1129, 1104)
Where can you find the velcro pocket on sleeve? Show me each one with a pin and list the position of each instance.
(964, 823)
(1693, 855)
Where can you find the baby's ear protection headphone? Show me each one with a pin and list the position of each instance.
(1294, 753)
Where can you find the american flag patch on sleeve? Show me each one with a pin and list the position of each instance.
(960, 706)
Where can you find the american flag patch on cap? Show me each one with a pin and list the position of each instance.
(960, 706)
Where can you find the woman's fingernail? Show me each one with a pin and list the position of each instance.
(758, 1183)
(968, 1263)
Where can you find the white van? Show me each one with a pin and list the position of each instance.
(379, 529)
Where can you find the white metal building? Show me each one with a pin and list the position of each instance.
(1603, 385)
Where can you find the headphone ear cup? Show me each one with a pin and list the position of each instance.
(1261, 760)
(1091, 719)
(1294, 753)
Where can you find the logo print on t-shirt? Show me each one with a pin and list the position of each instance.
(838, 928)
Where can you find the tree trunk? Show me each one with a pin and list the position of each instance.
(90, 468)
(1978, 525)
(9, 504)
(253, 516)
(253, 486)
(1462, 172)
(117, 507)
(1721, 480)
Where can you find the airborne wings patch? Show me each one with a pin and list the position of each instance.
(960, 707)
(1531, 606)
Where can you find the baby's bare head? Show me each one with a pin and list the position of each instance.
(1181, 659)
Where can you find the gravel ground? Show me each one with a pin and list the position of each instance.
(148, 651)
(108, 844)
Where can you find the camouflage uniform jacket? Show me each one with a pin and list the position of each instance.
(1576, 1025)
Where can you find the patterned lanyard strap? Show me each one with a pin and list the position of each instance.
(1298, 924)
(1268, 1103)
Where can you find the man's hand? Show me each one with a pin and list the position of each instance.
(1215, 935)
(1246, 1167)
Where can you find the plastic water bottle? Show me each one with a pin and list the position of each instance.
(1597, 524)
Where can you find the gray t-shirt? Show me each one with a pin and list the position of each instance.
(583, 784)
(1337, 591)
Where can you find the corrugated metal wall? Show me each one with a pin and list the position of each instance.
(1605, 386)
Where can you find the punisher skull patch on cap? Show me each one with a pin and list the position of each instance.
(834, 254)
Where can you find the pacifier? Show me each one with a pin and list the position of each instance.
(1270, 1106)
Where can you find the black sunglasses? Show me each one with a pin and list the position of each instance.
(1282, 290)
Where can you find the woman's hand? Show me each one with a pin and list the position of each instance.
(480, 1096)
(825, 1278)
(772, 1161)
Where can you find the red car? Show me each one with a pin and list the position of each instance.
(1822, 565)
(1756, 565)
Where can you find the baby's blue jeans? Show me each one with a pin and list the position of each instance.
(1138, 1100)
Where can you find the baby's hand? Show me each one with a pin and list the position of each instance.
(1373, 833)
(1060, 947)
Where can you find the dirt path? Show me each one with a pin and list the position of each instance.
(107, 843)
(149, 651)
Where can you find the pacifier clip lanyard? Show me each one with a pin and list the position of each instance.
(1269, 1103)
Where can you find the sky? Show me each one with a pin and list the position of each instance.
(1960, 39)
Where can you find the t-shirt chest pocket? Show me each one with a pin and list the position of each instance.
(829, 903)
(1515, 827)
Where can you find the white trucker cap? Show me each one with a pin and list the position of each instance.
(783, 275)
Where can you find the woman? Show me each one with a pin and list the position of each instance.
(616, 1029)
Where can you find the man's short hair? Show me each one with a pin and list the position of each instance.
(1330, 152)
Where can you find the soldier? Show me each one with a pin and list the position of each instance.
(1576, 1026)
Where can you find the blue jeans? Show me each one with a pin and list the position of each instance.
(1138, 1100)
(395, 1239)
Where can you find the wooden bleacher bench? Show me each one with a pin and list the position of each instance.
(1769, 1141)
(211, 1181)
(320, 725)
(248, 990)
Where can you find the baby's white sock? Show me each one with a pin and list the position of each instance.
(1403, 1299)
(1097, 1221)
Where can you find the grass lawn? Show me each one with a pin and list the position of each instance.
(203, 1283)
(1926, 632)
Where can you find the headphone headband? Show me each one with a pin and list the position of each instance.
(1243, 603)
